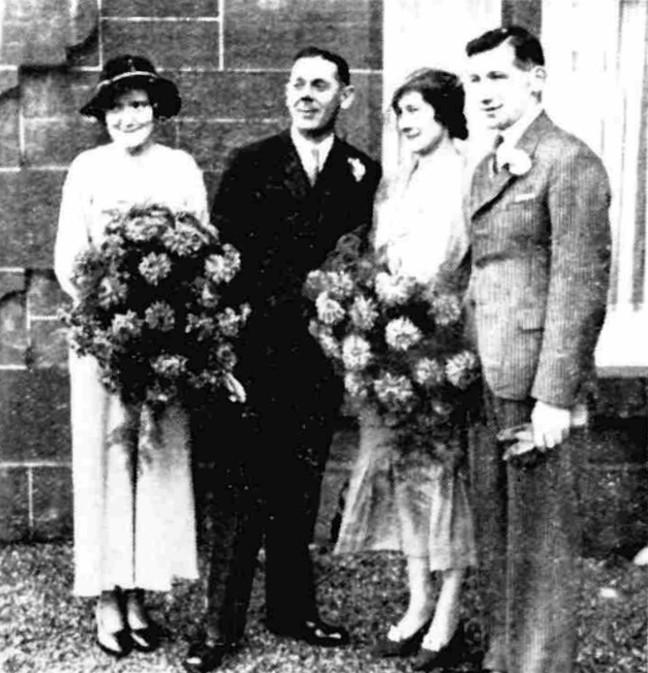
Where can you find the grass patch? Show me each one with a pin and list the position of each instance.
(44, 629)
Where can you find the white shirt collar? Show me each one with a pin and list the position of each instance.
(305, 148)
(512, 135)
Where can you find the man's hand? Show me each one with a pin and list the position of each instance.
(550, 425)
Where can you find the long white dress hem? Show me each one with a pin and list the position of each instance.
(134, 518)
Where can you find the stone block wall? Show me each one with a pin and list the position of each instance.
(230, 59)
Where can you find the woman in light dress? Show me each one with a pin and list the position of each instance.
(411, 502)
(134, 524)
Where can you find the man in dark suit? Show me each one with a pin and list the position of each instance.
(283, 202)
(538, 218)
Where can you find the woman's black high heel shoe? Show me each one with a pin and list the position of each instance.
(145, 638)
(400, 648)
(122, 638)
(449, 655)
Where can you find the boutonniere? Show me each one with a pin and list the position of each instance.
(516, 161)
(357, 168)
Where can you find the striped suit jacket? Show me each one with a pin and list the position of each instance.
(540, 265)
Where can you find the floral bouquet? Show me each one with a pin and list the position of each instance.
(399, 346)
(150, 308)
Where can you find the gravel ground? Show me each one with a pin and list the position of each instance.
(43, 629)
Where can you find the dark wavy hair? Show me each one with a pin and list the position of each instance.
(343, 72)
(526, 46)
(444, 92)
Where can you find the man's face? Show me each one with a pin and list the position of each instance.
(501, 90)
(314, 96)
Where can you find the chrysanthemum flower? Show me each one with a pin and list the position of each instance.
(222, 268)
(428, 372)
(113, 245)
(393, 390)
(356, 352)
(110, 292)
(125, 325)
(226, 356)
(401, 334)
(155, 267)
(363, 313)
(205, 379)
(330, 345)
(229, 322)
(160, 316)
(183, 240)
(329, 311)
(201, 325)
(206, 294)
(445, 309)
(392, 290)
(316, 282)
(146, 227)
(462, 369)
(169, 366)
(340, 284)
(355, 385)
(88, 268)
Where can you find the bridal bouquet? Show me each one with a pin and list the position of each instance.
(150, 308)
(398, 345)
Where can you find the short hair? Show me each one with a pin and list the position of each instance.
(343, 72)
(526, 46)
(444, 92)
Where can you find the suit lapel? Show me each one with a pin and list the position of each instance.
(335, 190)
(293, 174)
(488, 185)
(335, 170)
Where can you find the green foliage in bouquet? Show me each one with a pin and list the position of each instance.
(150, 308)
(399, 346)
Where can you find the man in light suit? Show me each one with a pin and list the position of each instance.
(538, 219)
(283, 202)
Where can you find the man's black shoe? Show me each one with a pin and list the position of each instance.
(206, 655)
(314, 632)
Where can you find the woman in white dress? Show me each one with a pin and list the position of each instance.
(411, 502)
(134, 523)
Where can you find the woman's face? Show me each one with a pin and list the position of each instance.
(130, 120)
(419, 129)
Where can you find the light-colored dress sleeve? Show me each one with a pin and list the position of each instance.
(456, 246)
(196, 194)
(72, 236)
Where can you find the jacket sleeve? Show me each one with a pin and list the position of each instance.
(578, 202)
(232, 215)
(72, 237)
(194, 188)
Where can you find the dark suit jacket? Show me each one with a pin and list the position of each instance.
(283, 229)
(540, 253)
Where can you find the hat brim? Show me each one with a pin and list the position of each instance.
(162, 92)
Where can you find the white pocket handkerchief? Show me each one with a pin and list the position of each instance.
(519, 198)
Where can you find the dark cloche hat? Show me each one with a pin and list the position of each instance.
(132, 72)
